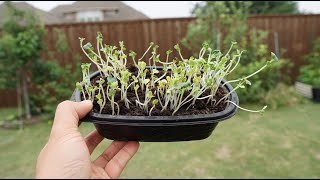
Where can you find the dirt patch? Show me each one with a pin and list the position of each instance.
(224, 153)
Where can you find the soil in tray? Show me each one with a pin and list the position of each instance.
(200, 107)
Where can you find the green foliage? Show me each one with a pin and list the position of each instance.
(282, 95)
(273, 7)
(52, 86)
(7, 79)
(262, 83)
(21, 45)
(310, 71)
(61, 44)
(220, 23)
(261, 7)
(27, 35)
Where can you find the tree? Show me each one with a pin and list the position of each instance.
(273, 7)
(218, 23)
(258, 7)
(20, 46)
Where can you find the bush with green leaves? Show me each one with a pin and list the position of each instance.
(220, 22)
(310, 71)
(52, 86)
(283, 95)
(182, 83)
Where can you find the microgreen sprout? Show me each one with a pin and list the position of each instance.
(180, 83)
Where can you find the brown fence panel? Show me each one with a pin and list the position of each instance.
(296, 34)
(8, 98)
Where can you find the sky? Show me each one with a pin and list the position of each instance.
(155, 9)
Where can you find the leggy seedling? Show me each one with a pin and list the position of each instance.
(182, 83)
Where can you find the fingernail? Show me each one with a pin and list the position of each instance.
(86, 102)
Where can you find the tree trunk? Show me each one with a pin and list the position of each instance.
(26, 97)
(19, 101)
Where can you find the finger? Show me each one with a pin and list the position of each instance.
(109, 153)
(120, 160)
(93, 140)
(68, 114)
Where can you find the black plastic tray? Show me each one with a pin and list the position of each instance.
(158, 128)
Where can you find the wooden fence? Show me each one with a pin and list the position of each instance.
(136, 35)
(294, 33)
(8, 98)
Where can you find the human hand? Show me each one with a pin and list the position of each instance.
(67, 154)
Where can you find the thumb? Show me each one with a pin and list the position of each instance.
(68, 114)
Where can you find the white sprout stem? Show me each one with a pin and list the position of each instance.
(159, 98)
(166, 102)
(118, 112)
(160, 77)
(145, 53)
(111, 101)
(219, 80)
(125, 59)
(84, 96)
(224, 97)
(104, 99)
(151, 110)
(126, 100)
(143, 105)
(140, 103)
(97, 64)
(236, 63)
(136, 92)
(181, 55)
(112, 104)
(229, 49)
(186, 101)
(166, 63)
(257, 111)
(150, 61)
(100, 58)
(134, 62)
(104, 52)
(180, 99)
(205, 97)
(167, 59)
(247, 76)
(201, 53)
(98, 49)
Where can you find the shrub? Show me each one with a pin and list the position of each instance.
(310, 71)
(282, 95)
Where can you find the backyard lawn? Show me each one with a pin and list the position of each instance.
(282, 143)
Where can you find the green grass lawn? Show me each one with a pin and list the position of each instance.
(282, 143)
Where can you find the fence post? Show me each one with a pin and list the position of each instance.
(276, 43)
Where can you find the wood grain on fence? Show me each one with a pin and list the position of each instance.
(8, 98)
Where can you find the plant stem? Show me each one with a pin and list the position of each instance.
(257, 111)
(246, 77)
